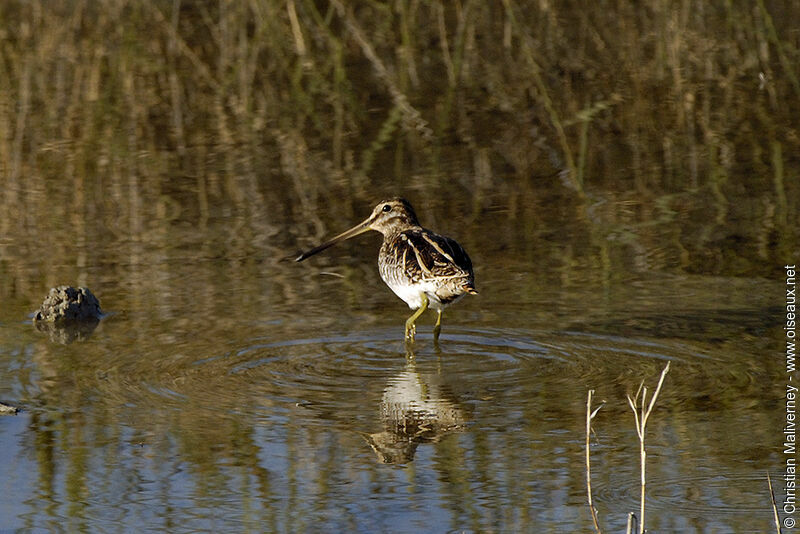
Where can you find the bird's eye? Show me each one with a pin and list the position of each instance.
(387, 207)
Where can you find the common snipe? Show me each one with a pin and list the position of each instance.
(423, 268)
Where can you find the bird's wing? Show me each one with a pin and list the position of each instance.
(427, 255)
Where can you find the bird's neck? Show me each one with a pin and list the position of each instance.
(395, 230)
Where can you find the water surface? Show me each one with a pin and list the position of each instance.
(624, 180)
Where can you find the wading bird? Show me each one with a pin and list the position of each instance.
(422, 268)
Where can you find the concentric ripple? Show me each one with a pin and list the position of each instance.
(337, 373)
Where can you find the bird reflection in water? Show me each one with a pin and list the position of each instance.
(415, 408)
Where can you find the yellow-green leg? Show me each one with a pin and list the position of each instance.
(411, 328)
(437, 328)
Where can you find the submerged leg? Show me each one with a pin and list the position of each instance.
(437, 328)
(411, 328)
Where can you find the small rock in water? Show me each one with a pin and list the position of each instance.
(66, 303)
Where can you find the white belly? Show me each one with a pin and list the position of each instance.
(412, 295)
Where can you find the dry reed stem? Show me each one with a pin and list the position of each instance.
(589, 416)
(297, 33)
(631, 523)
(641, 418)
(774, 506)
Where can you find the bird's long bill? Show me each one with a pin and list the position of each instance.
(352, 232)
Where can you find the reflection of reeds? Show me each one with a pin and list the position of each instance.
(122, 118)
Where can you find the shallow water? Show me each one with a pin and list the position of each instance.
(307, 412)
(624, 178)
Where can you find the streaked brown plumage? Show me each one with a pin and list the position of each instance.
(422, 268)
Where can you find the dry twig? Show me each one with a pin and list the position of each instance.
(589, 416)
(641, 415)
